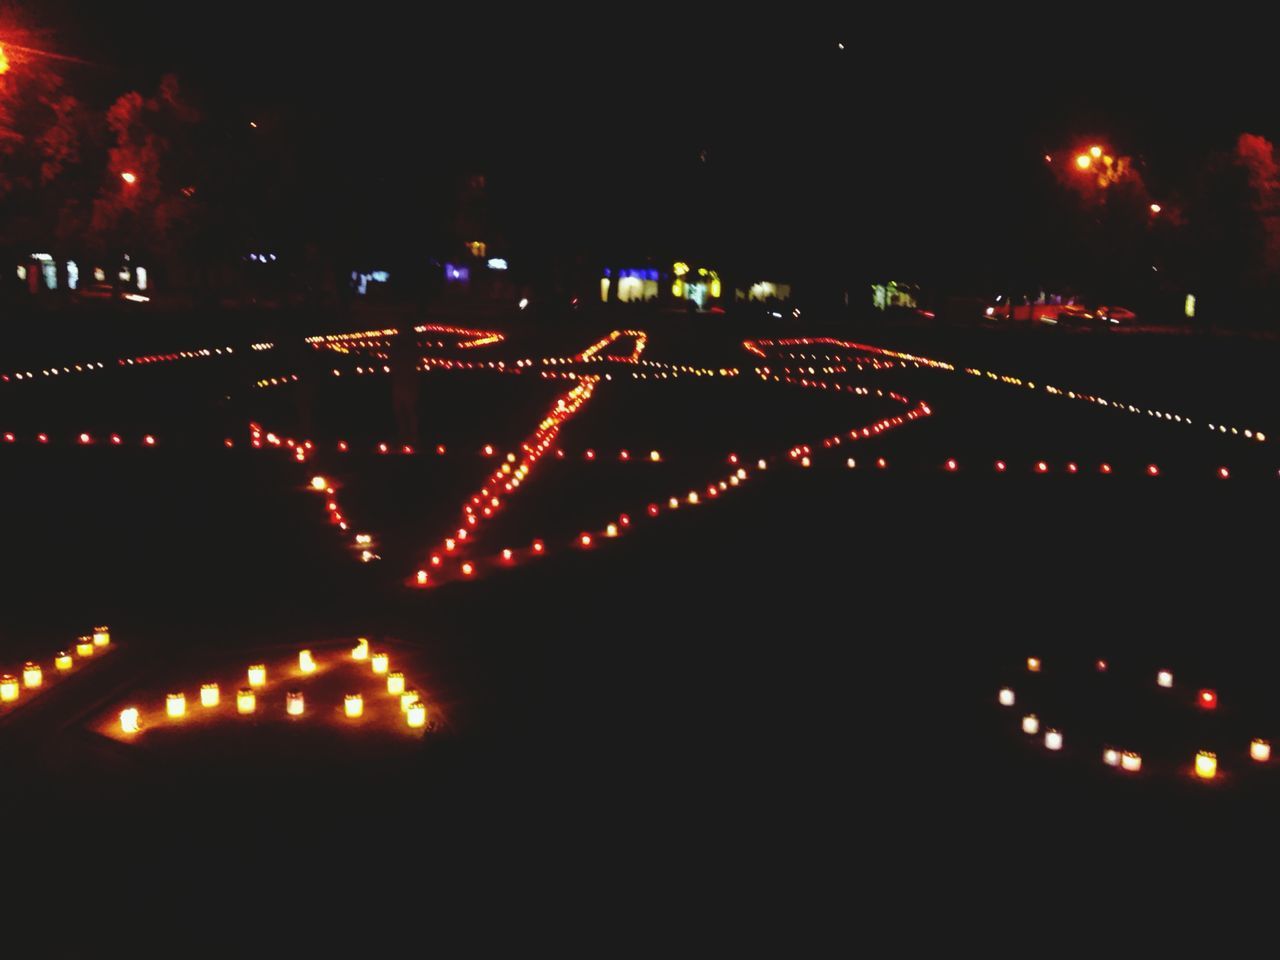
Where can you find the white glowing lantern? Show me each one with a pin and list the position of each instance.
(129, 720)
(417, 714)
(175, 705)
(1206, 765)
(361, 650)
(395, 683)
(1007, 698)
(1260, 750)
(101, 636)
(380, 662)
(32, 675)
(1111, 757)
(305, 663)
(1164, 679)
(319, 483)
(63, 661)
(210, 695)
(1130, 761)
(294, 703)
(258, 675)
(1053, 739)
(84, 647)
(354, 705)
(246, 700)
(1031, 724)
(611, 530)
(408, 699)
(8, 688)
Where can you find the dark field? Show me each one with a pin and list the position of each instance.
(802, 672)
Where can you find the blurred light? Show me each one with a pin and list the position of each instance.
(210, 695)
(1130, 761)
(1083, 161)
(1033, 664)
(246, 701)
(1206, 765)
(8, 688)
(1095, 152)
(305, 662)
(175, 705)
(129, 177)
(380, 662)
(294, 703)
(1031, 724)
(1164, 679)
(32, 675)
(1053, 739)
(1260, 750)
(63, 661)
(395, 683)
(1207, 699)
(353, 704)
(361, 650)
(1111, 757)
(416, 715)
(1007, 697)
(257, 675)
(408, 699)
(1156, 208)
(129, 720)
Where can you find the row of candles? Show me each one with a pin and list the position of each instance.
(83, 439)
(487, 501)
(33, 676)
(1247, 433)
(411, 703)
(135, 361)
(1205, 766)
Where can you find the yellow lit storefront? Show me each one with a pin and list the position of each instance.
(700, 286)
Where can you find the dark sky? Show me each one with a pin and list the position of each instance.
(910, 150)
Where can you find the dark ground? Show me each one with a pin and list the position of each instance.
(732, 705)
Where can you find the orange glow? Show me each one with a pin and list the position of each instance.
(1084, 162)
(246, 701)
(354, 705)
(4, 60)
(1095, 152)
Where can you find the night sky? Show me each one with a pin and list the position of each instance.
(911, 151)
